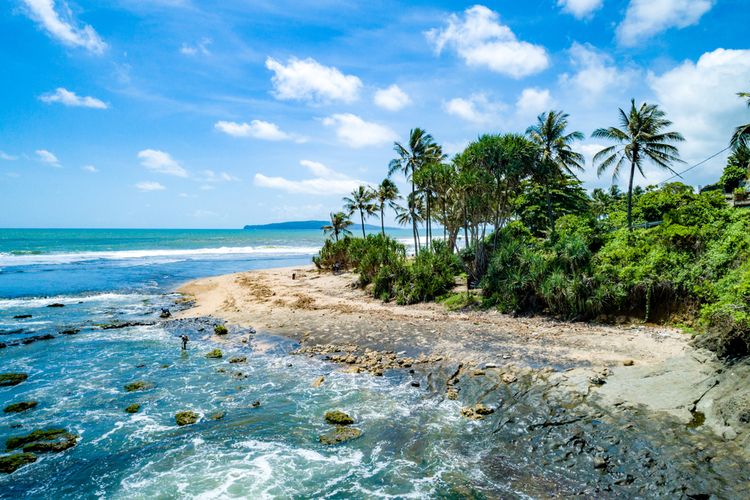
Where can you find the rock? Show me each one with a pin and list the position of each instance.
(508, 378)
(340, 435)
(476, 412)
(49, 440)
(139, 385)
(318, 381)
(164, 314)
(166, 365)
(9, 379)
(70, 331)
(19, 407)
(217, 416)
(134, 408)
(10, 463)
(22, 316)
(256, 404)
(600, 462)
(3, 345)
(628, 362)
(220, 330)
(477, 373)
(140, 366)
(415, 383)
(35, 338)
(338, 417)
(123, 324)
(56, 304)
(452, 394)
(251, 331)
(215, 354)
(238, 359)
(186, 418)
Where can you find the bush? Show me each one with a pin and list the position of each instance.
(334, 252)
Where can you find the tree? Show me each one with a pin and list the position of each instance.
(386, 194)
(741, 135)
(642, 137)
(339, 224)
(361, 200)
(412, 214)
(556, 157)
(419, 151)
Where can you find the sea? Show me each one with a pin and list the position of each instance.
(413, 445)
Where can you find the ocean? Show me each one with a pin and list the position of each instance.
(413, 444)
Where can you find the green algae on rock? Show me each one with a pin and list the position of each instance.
(134, 408)
(215, 354)
(10, 379)
(338, 417)
(139, 385)
(11, 463)
(340, 434)
(220, 330)
(43, 440)
(186, 418)
(21, 406)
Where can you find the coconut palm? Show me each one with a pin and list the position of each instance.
(411, 215)
(361, 200)
(556, 157)
(642, 137)
(339, 224)
(741, 135)
(386, 194)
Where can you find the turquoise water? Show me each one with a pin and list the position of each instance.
(413, 444)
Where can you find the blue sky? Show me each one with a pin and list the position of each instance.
(180, 113)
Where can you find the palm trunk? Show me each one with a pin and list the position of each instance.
(414, 220)
(630, 192)
(428, 236)
(336, 235)
(362, 219)
(382, 224)
(550, 215)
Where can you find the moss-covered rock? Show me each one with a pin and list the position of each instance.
(220, 330)
(340, 435)
(238, 359)
(134, 408)
(19, 407)
(139, 385)
(9, 379)
(43, 440)
(186, 418)
(10, 463)
(338, 417)
(215, 354)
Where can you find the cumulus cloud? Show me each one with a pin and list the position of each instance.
(45, 156)
(477, 109)
(256, 129)
(701, 99)
(480, 40)
(60, 25)
(5, 156)
(580, 8)
(162, 162)
(90, 168)
(533, 101)
(69, 98)
(325, 181)
(595, 75)
(308, 80)
(149, 186)
(645, 18)
(356, 133)
(392, 98)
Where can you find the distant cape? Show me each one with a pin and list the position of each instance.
(308, 224)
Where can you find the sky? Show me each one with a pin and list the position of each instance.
(216, 114)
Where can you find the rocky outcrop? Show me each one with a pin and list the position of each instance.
(339, 435)
(10, 379)
(220, 330)
(21, 406)
(186, 418)
(43, 440)
(338, 417)
(134, 408)
(238, 359)
(215, 354)
(11, 463)
(139, 385)
(56, 304)
(318, 381)
(477, 412)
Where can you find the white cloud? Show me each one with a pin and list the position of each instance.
(480, 40)
(5, 156)
(68, 98)
(46, 157)
(580, 8)
(216, 177)
(355, 132)
(645, 18)
(701, 99)
(308, 80)
(59, 24)
(325, 181)
(90, 168)
(150, 186)
(532, 101)
(199, 48)
(477, 109)
(162, 162)
(595, 76)
(257, 129)
(392, 98)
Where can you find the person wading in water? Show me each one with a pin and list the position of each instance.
(185, 340)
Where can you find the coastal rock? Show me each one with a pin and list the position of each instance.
(508, 378)
(138, 385)
(340, 435)
(164, 314)
(9, 379)
(69, 331)
(47, 440)
(238, 359)
(476, 412)
(628, 362)
(318, 381)
(217, 416)
(134, 408)
(22, 316)
(452, 394)
(56, 304)
(338, 417)
(11, 463)
(220, 330)
(36, 338)
(21, 406)
(214, 354)
(186, 418)
(256, 404)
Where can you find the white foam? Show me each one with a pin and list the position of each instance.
(70, 299)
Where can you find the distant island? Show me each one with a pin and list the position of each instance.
(308, 224)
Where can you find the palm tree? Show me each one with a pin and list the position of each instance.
(339, 224)
(361, 200)
(641, 137)
(419, 151)
(412, 214)
(741, 135)
(386, 194)
(556, 157)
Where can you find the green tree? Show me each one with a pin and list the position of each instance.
(411, 215)
(642, 137)
(386, 194)
(339, 224)
(741, 135)
(556, 156)
(360, 200)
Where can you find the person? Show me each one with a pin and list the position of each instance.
(185, 340)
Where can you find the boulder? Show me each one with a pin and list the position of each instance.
(238, 359)
(220, 330)
(318, 381)
(338, 417)
(19, 407)
(9, 379)
(340, 435)
(215, 354)
(10, 463)
(164, 314)
(186, 418)
(628, 362)
(134, 408)
(43, 440)
(139, 385)
(256, 404)
(56, 304)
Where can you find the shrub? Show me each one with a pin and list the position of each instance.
(334, 252)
